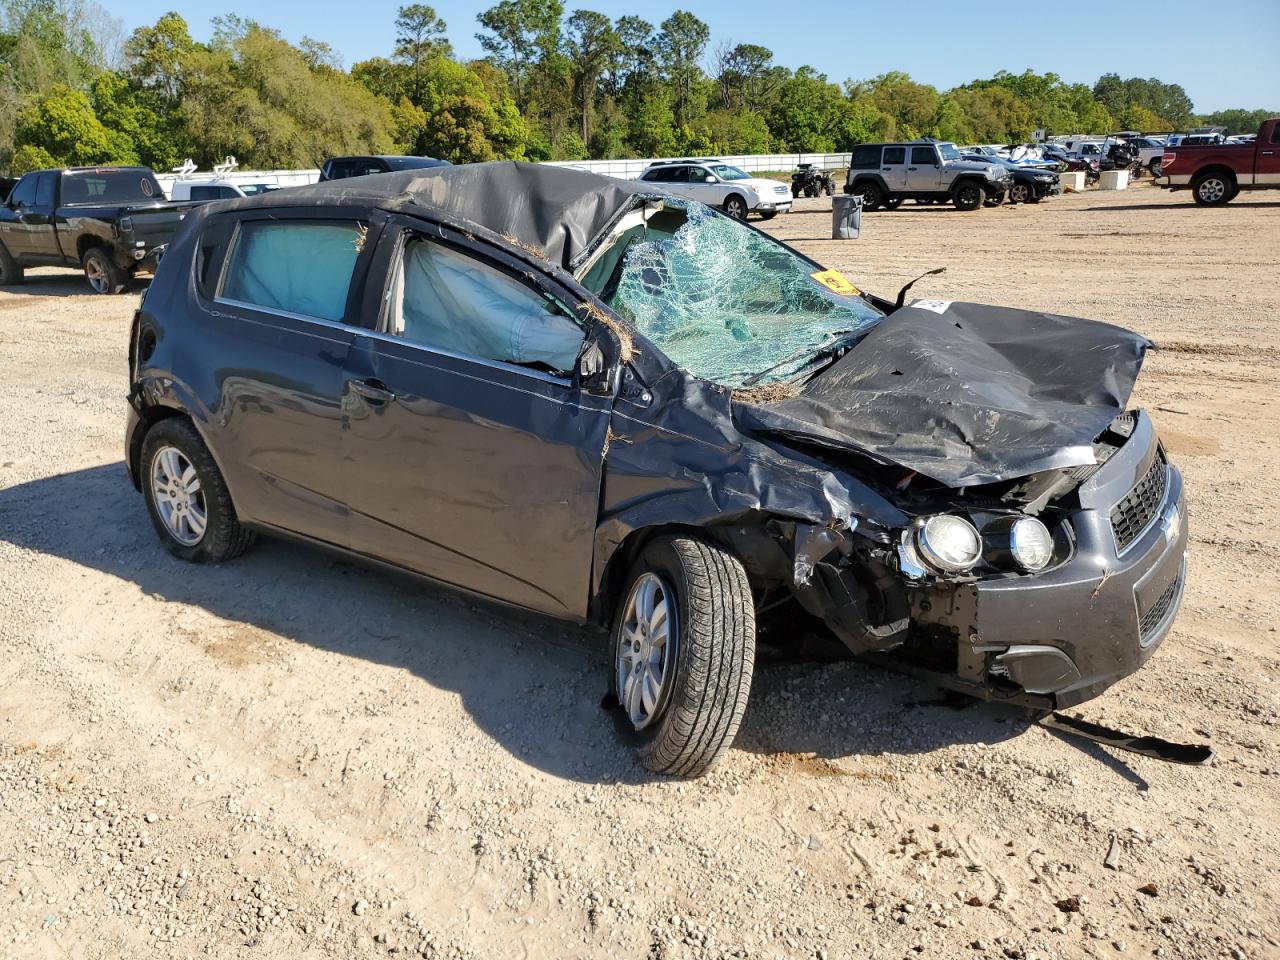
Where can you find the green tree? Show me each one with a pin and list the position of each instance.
(590, 44)
(520, 32)
(420, 36)
(681, 41)
(63, 124)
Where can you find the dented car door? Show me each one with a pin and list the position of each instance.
(471, 455)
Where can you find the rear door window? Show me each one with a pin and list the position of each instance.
(301, 267)
(44, 191)
(895, 156)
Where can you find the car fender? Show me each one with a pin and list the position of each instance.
(874, 178)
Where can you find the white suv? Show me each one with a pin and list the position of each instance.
(718, 184)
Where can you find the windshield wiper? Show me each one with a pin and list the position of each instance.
(819, 351)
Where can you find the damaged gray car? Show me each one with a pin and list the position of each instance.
(588, 399)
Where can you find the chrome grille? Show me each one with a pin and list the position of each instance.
(1153, 619)
(1131, 517)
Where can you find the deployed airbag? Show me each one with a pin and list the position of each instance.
(966, 393)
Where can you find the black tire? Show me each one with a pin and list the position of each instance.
(223, 537)
(829, 189)
(768, 214)
(10, 271)
(699, 708)
(892, 203)
(968, 196)
(1021, 193)
(870, 193)
(995, 200)
(795, 191)
(103, 275)
(1213, 189)
(735, 206)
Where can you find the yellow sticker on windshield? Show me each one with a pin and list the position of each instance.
(834, 281)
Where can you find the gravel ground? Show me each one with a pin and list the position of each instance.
(291, 756)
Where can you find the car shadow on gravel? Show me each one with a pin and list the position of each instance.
(533, 684)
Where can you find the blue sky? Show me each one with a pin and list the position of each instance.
(942, 43)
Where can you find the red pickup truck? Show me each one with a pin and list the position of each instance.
(1216, 172)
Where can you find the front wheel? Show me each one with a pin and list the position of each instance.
(736, 207)
(968, 196)
(684, 640)
(795, 191)
(1021, 193)
(187, 498)
(1155, 166)
(103, 275)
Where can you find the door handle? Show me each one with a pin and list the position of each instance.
(375, 392)
(912, 168)
(1268, 153)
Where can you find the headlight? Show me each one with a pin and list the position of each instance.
(1045, 176)
(1023, 541)
(994, 173)
(948, 544)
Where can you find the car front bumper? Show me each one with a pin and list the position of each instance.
(1048, 640)
(780, 205)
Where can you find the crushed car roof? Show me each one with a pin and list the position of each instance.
(558, 210)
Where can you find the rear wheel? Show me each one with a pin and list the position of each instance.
(870, 194)
(683, 652)
(187, 498)
(103, 275)
(1213, 189)
(10, 272)
(736, 207)
(968, 196)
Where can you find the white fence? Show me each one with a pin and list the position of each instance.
(623, 169)
(751, 163)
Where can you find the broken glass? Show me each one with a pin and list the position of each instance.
(730, 305)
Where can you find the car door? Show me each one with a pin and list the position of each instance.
(706, 187)
(472, 456)
(924, 170)
(16, 233)
(893, 168)
(280, 291)
(1267, 160)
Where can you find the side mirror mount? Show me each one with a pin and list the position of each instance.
(596, 374)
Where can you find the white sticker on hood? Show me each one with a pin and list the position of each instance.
(937, 306)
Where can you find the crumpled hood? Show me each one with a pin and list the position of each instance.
(966, 393)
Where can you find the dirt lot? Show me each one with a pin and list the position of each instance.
(293, 757)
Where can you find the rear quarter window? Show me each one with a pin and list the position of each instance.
(865, 158)
(297, 266)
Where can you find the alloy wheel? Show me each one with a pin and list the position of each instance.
(178, 497)
(1212, 190)
(96, 274)
(647, 644)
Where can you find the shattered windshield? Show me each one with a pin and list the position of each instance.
(727, 303)
(949, 151)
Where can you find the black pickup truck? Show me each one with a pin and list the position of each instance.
(111, 221)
